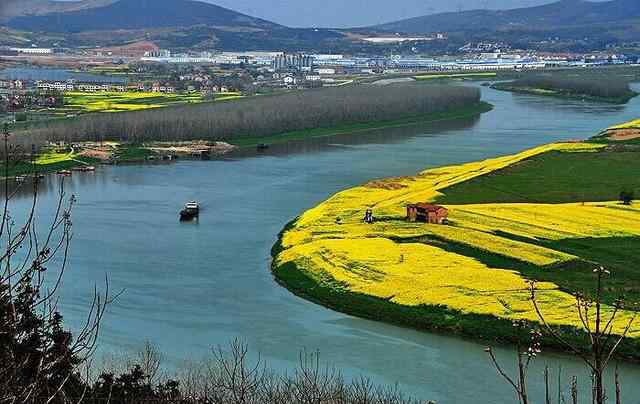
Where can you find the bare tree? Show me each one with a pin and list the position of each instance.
(603, 340)
(149, 359)
(39, 360)
(231, 377)
(264, 115)
(524, 355)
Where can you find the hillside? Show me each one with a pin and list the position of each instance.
(186, 24)
(566, 25)
(138, 14)
(565, 19)
(15, 8)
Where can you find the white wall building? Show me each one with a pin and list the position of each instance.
(33, 51)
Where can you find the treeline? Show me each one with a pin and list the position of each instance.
(609, 89)
(263, 115)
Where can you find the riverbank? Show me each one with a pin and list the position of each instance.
(562, 93)
(112, 152)
(470, 277)
(354, 128)
(50, 161)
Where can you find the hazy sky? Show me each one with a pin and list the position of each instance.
(350, 13)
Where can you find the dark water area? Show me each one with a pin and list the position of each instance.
(35, 74)
(191, 286)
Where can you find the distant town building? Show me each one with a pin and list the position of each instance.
(292, 62)
(33, 51)
(160, 53)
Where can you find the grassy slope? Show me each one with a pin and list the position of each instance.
(605, 173)
(558, 177)
(554, 177)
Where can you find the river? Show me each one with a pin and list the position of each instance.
(188, 287)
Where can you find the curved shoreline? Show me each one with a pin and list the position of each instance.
(563, 94)
(322, 288)
(434, 319)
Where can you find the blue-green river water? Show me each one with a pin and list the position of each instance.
(188, 287)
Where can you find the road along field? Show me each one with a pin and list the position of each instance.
(509, 222)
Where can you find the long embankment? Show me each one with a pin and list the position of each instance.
(548, 214)
(294, 115)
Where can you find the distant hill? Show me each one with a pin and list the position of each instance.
(190, 24)
(168, 23)
(575, 19)
(137, 14)
(15, 8)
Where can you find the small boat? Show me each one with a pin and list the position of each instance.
(66, 173)
(191, 211)
(262, 146)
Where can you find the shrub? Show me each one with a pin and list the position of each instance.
(627, 197)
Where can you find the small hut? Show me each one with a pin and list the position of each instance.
(427, 213)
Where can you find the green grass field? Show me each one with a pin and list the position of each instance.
(553, 177)
(562, 177)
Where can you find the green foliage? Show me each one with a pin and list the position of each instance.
(35, 362)
(627, 196)
(133, 386)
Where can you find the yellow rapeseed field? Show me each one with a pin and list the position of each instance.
(627, 125)
(332, 240)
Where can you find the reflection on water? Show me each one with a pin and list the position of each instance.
(190, 287)
(548, 104)
(374, 136)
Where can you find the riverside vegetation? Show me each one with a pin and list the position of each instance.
(613, 90)
(549, 214)
(247, 120)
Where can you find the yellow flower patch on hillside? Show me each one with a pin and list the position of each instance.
(415, 274)
(404, 262)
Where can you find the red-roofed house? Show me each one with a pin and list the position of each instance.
(427, 213)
